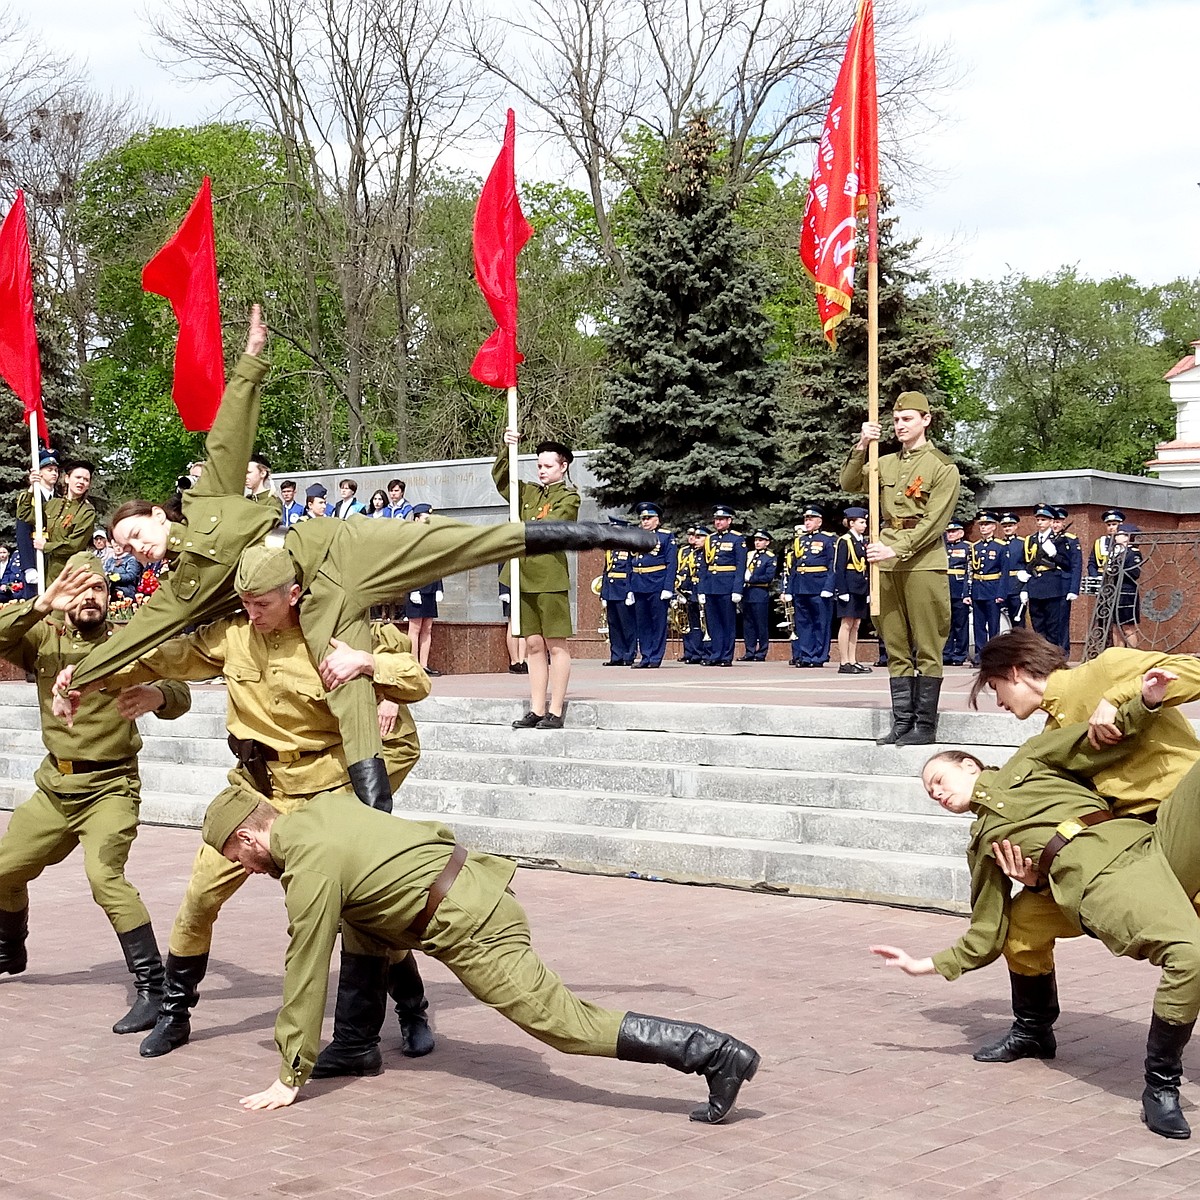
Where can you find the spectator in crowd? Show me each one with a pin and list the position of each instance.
(11, 580)
(123, 573)
(397, 505)
(100, 547)
(314, 501)
(348, 505)
(421, 608)
(293, 510)
(378, 504)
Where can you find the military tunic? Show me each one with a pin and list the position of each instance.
(1152, 767)
(545, 579)
(809, 566)
(918, 492)
(1127, 884)
(343, 862)
(989, 588)
(687, 583)
(614, 589)
(722, 573)
(69, 525)
(761, 566)
(653, 573)
(958, 557)
(851, 579)
(275, 696)
(92, 801)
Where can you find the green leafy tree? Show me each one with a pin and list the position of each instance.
(824, 400)
(688, 410)
(1065, 372)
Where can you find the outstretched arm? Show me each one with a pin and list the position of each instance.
(893, 956)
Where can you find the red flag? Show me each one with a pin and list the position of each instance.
(20, 365)
(185, 271)
(845, 174)
(500, 232)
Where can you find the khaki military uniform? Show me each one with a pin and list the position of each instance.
(343, 862)
(68, 524)
(344, 567)
(92, 801)
(276, 698)
(918, 493)
(545, 578)
(1126, 883)
(1151, 769)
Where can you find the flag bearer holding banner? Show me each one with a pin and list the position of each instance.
(20, 364)
(909, 596)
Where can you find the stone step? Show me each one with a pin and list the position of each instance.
(893, 877)
(930, 832)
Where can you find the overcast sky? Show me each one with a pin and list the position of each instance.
(1074, 135)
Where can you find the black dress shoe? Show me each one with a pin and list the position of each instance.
(521, 668)
(529, 720)
(862, 669)
(550, 721)
(847, 669)
(432, 673)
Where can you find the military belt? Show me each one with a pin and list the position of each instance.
(1062, 835)
(989, 577)
(643, 570)
(758, 585)
(904, 522)
(961, 573)
(437, 892)
(810, 570)
(77, 766)
(731, 567)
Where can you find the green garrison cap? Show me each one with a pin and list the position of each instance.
(225, 814)
(87, 560)
(262, 569)
(914, 401)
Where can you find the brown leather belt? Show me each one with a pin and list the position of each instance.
(75, 766)
(904, 522)
(1065, 832)
(437, 892)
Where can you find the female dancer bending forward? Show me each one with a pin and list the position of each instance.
(1128, 884)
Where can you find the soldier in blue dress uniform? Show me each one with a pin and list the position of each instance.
(1070, 566)
(958, 555)
(687, 584)
(989, 581)
(851, 586)
(722, 578)
(1040, 575)
(618, 606)
(1104, 545)
(1014, 563)
(810, 586)
(761, 565)
(652, 581)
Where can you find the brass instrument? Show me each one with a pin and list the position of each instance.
(789, 618)
(704, 637)
(597, 586)
(677, 617)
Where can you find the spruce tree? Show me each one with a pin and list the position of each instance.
(823, 401)
(688, 409)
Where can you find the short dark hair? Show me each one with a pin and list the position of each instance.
(288, 483)
(348, 483)
(395, 483)
(143, 508)
(1021, 649)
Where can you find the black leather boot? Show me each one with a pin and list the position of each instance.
(545, 537)
(406, 989)
(694, 1049)
(1164, 1070)
(145, 965)
(181, 992)
(14, 930)
(357, 1019)
(1035, 1009)
(924, 730)
(370, 780)
(903, 711)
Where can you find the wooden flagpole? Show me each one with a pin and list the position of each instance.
(873, 385)
(35, 457)
(514, 514)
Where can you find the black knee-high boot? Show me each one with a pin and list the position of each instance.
(181, 992)
(903, 689)
(14, 930)
(927, 692)
(146, 966)
(405, 987)
(694, 1049)
(1164, 1071)
(1035, 1009)
(357, 1019)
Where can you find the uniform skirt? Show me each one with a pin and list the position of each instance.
(856, 608)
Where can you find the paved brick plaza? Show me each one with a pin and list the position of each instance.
(867, 1086)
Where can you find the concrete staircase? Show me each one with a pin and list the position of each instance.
(772, 797)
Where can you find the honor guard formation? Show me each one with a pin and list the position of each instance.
(291, 603)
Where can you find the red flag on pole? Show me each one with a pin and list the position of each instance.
(500, 232)
(185, 272)
(20, 365)
(845, 174)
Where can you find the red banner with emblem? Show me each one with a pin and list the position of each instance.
(20, 364)
(846, 172)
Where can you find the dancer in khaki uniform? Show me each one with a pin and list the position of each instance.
(90, 801)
